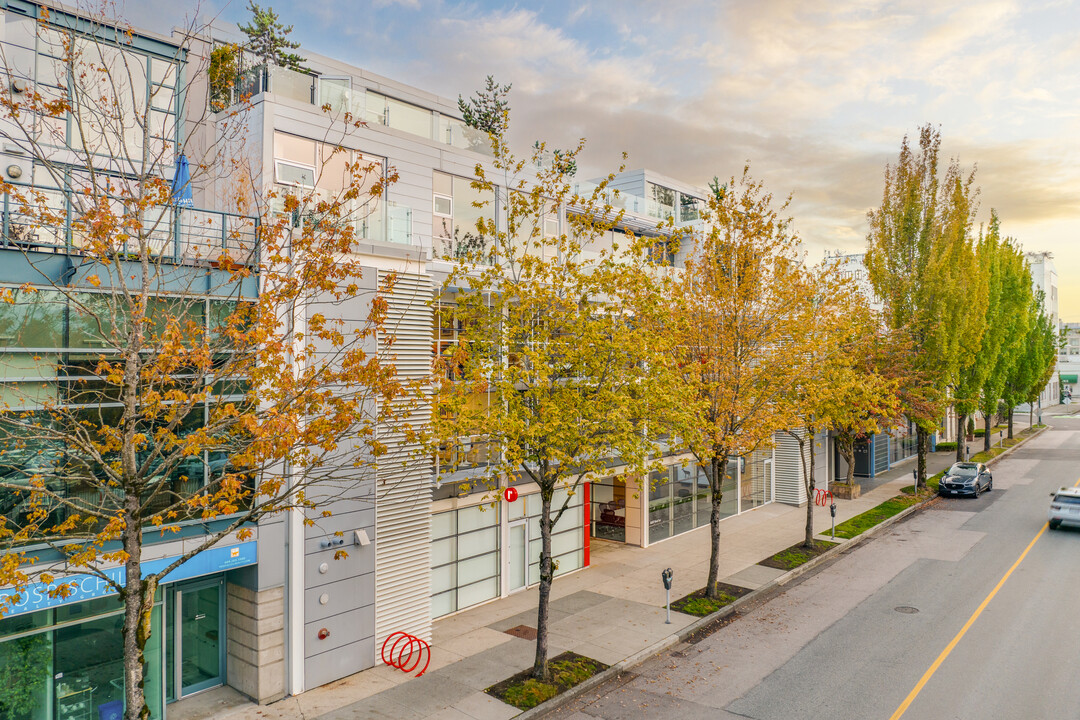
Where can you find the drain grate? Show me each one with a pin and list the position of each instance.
(522, 631)
(907, 609)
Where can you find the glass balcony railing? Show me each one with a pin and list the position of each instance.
(371, 107)
(184, 235)
(278, 80)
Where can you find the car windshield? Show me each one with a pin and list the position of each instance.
(1067, 499)
(965, 471)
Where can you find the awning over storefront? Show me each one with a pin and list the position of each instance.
(36, 596)
(1068, 378)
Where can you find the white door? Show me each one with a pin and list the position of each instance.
(517, 564)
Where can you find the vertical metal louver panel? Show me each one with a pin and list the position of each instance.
(403, 485)
(881, 453)
(790, 488)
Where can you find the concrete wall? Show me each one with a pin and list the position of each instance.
(255, 648)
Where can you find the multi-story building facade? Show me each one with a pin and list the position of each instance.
(276, 614)
(69, 648)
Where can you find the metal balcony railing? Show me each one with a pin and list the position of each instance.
(182, 235)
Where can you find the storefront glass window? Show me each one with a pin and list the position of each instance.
(25, 669)
(680, 500)
(567, 537)
(464, 558)
(608, 513)
(73, 671)
(756, 487)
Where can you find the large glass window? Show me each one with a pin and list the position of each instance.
(680, 500)
(567, 537)
(608, 512)
(62, 669)
(457, 208)
(464, 558)
(756, 486)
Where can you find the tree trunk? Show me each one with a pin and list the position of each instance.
(961, 437)
(718, 468)
(922, 443)
(849, 457)
(1010, 423)
(547, 574)
(808, 541)
(138, 606)
(987, 420)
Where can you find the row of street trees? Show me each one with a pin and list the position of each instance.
(578, 356)
(961, 299)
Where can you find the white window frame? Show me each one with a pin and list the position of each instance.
(290, 183)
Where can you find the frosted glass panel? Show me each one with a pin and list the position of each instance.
(442, 604)
(478, 568)
(442, 579)
(442, 525)
(442, 551)
(478, 592)
(476, 517)
(476, 543)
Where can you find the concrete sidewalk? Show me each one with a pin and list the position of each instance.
(608, 611)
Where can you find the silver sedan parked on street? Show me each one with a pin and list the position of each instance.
(966, 478)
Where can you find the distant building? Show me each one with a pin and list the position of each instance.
(1068, 373)
(1044, 277)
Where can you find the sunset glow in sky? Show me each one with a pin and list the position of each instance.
(816, 95)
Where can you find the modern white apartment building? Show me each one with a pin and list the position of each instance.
(434, 549)
(1044, 277)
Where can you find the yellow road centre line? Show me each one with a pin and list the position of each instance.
(971, 621)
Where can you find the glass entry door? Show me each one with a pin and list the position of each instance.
(518, 561)
(200, 648)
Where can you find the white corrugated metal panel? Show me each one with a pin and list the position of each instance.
(790, 488)
(403, 488)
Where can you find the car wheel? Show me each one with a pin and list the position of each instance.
(977, 490)
(1054, 524)
(990, 485)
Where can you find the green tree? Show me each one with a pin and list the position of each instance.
(553, 373)
(268, 38)
(920, 255)
(489, 111)
(222, 73)
(1035, 365)
(1008, 319)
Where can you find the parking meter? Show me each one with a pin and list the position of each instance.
(832, 513)
(666, 577)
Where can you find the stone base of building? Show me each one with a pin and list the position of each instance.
(845, 491)
(256, 642)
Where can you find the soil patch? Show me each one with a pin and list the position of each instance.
(796, 555)
(697, 604)
(525, 692)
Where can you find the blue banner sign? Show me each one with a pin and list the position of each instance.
(87, 587)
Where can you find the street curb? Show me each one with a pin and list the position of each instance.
(675, 638)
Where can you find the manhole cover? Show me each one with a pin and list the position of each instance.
(522, 631)
(907, 609)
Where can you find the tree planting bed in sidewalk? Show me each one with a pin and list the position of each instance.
(567, 670)
(796, 555)
(697, 604)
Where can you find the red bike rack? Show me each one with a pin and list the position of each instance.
(406, 652)
(822, 498)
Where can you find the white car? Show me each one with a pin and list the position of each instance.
(1064, 508)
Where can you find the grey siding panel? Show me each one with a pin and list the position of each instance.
(403, 510)
(790, 488)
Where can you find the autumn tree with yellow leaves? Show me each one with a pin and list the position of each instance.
(553, 372)
(733, 313)
(178, 367)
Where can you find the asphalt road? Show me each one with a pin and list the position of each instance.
(856, 638)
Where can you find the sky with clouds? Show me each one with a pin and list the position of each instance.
(815, 94)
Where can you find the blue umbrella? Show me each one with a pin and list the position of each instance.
(181, 184)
